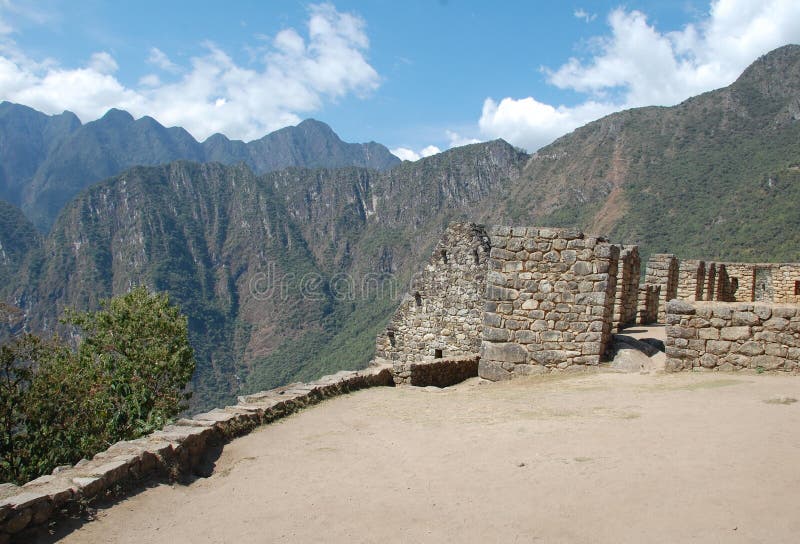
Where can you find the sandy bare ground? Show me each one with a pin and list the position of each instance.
(590, 458)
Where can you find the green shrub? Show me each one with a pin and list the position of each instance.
(126, 378)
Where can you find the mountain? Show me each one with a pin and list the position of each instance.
(289, 274)
(18, 238)
(47, 160)
(27, 137)
(715, 176)
(282, 275)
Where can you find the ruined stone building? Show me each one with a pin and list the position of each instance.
(695, 280)
(527, 299)
(531, 300)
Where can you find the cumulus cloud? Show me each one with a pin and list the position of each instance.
(292, 76)
(406, 154)
(638, 65)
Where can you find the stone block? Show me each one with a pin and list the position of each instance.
(489, 370)
(503, 352)
(680, 307)
(767, 362)
(735, 333)
(530, 370)
(549, 357)
(708, 333)
(744, 318)
(525, 337)
(676, 331)
(751, 348)
(708, 360)
(718, 347)
(776, 324)
(763, 311)
(493, 334)
(786, 312)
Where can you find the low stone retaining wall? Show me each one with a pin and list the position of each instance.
(177, 449)
(437, 372)
(732, 336)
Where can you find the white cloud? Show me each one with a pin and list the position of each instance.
(457, 140)
(406, 154)
(454, 140)
(581, 13)
(638, 65)
(160, 59)
(529, 123)
(293, 76)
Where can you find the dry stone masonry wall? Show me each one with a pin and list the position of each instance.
(736, 282)
(437, 373)
(549, 300)
(662, 270)
(691, 279)
(649, 296)
(442, 316)
(174, 450)
(627, 291)
(732, 336)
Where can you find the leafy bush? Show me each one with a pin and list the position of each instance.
(126, 378)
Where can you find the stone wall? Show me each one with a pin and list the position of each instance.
(732, 336)
(649, 296)
(662, 270)
(691, 279)
(25, 511)
(442, 314)
(739, 282)
(627, 294)
(744, 276)
(549, 300)
(438, 372)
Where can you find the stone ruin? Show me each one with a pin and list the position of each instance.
(528, 300)
(497, 302)
(532, 300)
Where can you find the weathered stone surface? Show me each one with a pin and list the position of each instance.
(750, 344)
(751, 348)
(503, 352)
(735, 333)
(680, 307)
(767, 362)
(553, 356)
(18, 520)
(438, 372)
(530, 370)
(631, 360)
(490, 370)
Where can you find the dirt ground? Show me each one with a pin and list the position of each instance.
(583, 458)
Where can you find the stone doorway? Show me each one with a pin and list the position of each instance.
(764, 292)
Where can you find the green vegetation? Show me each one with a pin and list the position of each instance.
(126, 378)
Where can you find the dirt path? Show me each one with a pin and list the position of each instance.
(594, 458)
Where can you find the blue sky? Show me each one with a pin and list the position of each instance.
(417, 76)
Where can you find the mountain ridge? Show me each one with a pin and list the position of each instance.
(59, 163)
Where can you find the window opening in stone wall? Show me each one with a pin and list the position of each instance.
(437, 354)
(444, 256)
(797, 287)
(392, 340)
(417, 299)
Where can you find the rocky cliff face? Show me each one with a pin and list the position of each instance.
(274, 271)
